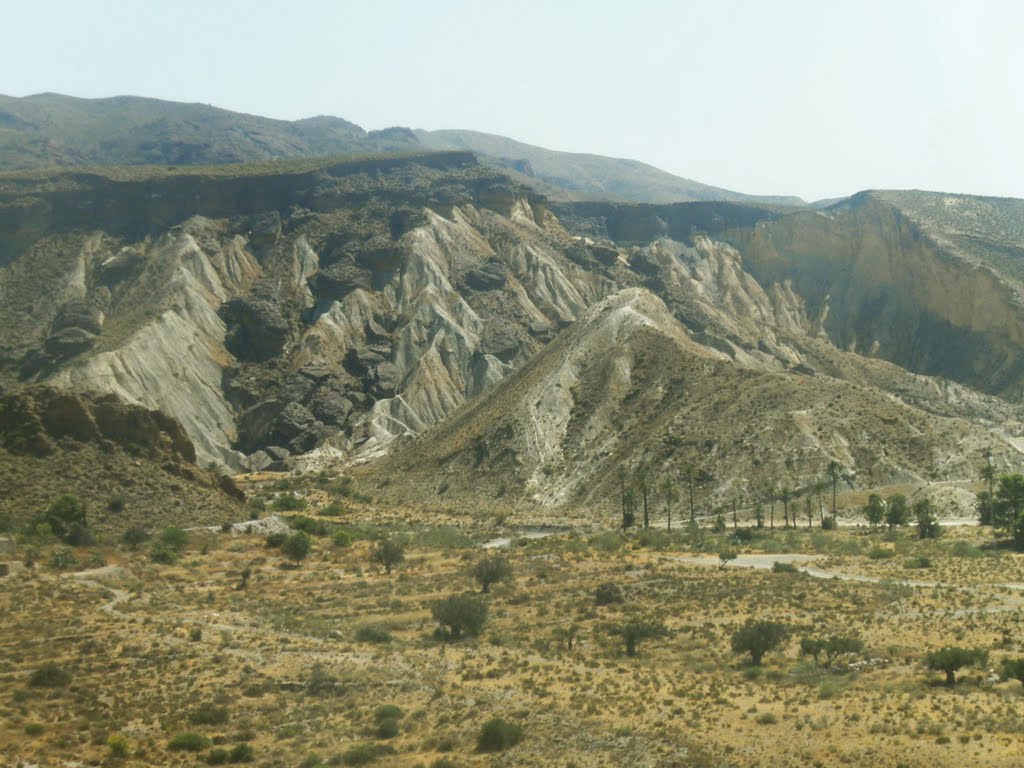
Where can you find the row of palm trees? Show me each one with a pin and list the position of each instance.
(638, 487)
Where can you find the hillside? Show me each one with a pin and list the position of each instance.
(589, 177)
(50, 129)
(318, 313)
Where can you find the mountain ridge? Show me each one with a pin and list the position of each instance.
(52, 129)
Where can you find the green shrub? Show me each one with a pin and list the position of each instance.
(50, 675)
(334, 509)
(66, 517)
(115, 504)
(62, 559)
(387, 729)
(217, 756)
(608, 593)
(917, 562)
(163, 555)
(828, 523)
(241, 753)
(35, 729)
(964, 549)
(491, 569)
(443, 537)
(275, 540)
(135, 536)
(389, 553)
(880, 553)
(188, 742)
(174, 538)
(458, 614)
(118, 746)
(780, 567)
(362, 754)
(387, 712)
(373, 634)
(288, 502)
(209, 713)
(308, 525)
(609, 541)
(296, 547)
(498, 735)
(341, 538)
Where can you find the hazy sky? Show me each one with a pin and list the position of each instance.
(813, 98)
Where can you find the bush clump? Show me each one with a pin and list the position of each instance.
(209, 713)
(188, 742)
(50, 675)
(373, 634)
(498, 735)
(458, 614)
(362, 754)
(608, 593)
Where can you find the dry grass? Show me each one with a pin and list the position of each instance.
(148, 644)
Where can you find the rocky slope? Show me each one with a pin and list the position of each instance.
(130, 465)
(313, 313)
(267, 313)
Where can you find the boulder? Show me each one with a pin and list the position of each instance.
(488, 277)
(257, 329)
(277, 453)
(292, 421)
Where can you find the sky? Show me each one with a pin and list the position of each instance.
(812, 98)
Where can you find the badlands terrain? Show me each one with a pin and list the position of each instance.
(270, 393)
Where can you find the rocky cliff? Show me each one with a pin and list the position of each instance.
(315, 314)
(130, 465)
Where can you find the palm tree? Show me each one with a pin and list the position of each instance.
(819, 486)
(771, 502)
(988, 472)
(668, 493)
(785, 495)
(833, 472)
(690, 475)
(643, 482)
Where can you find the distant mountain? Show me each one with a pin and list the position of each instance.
(51, 129)
(589, 177)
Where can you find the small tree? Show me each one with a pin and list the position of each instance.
(725, 557)
(830, 648)
(632, 632)
(458, 614)
(1013, 669)
(669, 496)
(757, 638)
(1007, 504)
(608, 593)
(784, 496)
(927, 524)
(135, 536)
(896, 512)
(834, 471)
(498, 735)
(296, 547)
(953, 658)
(67, 518)
(175, 538)
(491, 570)
(388, 553)
(874, 510)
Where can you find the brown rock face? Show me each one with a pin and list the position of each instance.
(35, 419)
